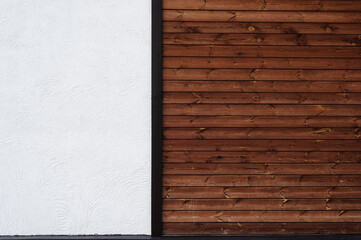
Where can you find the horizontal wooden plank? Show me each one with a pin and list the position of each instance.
(261, 39)
(262, 98)
(261, 110)
(262, 145)
(261, 180)
(265, 63)
(262, 216)
(252, 27)
(269, 5)
(264, 16)
(262, 133)
(261, 157)
(260, 228)
(194, 87)
(261, 74)
(258, 121)
(254, 168)
(261, 51)
(261, 204)
(262, 192)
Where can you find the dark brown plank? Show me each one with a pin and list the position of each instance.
(252, 27)
(261, 51)
(262, 98)
(261, 133)
(194, 87)
(265, 63)
(261, 39)
(254, 168)
(262, 192)
(258, 121)
(261, 110)
(261, 204)
(269, 5)
(264, 16)
(261, 74)
(261, 180)
(262, 145)
(261, 157)
(260, 228)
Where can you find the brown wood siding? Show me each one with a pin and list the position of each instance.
(261, 117)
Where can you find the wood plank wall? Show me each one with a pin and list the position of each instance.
(262, 117)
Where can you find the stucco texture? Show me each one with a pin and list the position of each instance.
(75, 117)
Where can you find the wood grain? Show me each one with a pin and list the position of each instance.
(269, 180)
(261, 74)
(261, 110)
(261, 51)
(270, 5)
(260, 228)
(262, 145)
(261, 157)
(262, 192)
(253, 27)
(265, 63)
(261, 16)
(261, 98)
(261, 204)
(261, 121)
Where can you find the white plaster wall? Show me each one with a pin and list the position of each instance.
(75, 116)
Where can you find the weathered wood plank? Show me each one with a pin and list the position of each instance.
(252, 27)
(269, 5)
(261, 157)
(263, 16)
(262, 180)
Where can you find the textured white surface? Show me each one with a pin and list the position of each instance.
(75, 117)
